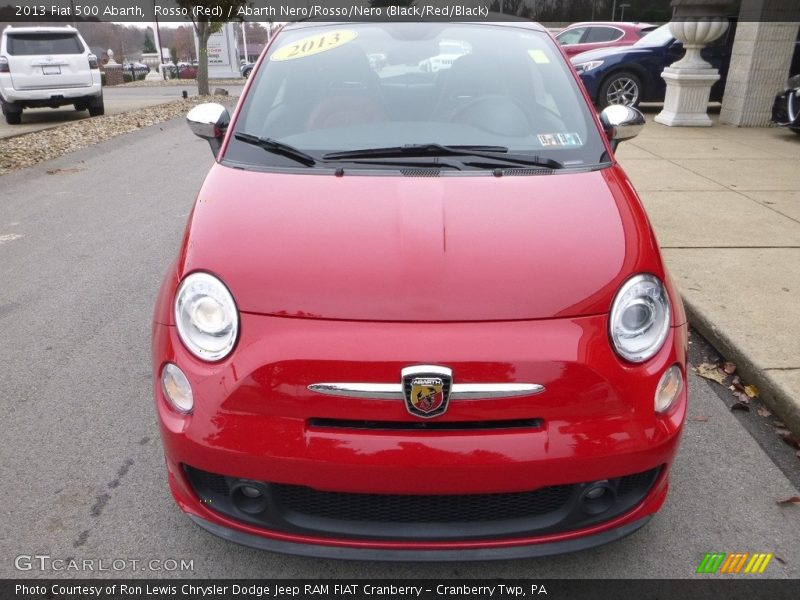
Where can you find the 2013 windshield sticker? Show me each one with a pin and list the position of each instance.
(560, 139)
(314, 44)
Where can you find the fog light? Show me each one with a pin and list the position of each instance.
(669, 387)
(596, 492)
(250, 491)
(598, 497)
(176, 388)
(249, 497)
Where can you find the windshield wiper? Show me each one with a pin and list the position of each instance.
(413, 150)
(524, 160)
(494, 153)
(277, 147)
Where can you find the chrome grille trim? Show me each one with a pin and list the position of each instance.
(459, 391)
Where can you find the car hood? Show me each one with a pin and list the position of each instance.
(392, 248)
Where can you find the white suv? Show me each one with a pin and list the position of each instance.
(47, 66)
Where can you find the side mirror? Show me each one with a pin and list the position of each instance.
(621, 123)
(209, 121)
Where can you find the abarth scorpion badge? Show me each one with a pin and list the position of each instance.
(426, 389)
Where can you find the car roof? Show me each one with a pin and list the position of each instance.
(634, 24)
(492, 19)
(66, 29)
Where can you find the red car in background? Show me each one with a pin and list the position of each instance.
(582, 37)
(415, 316)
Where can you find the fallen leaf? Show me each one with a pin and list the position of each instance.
(788, 437)
(741, 397)
(751, 391)
(763, 412)
(700, 418)
(791, 440)
(740, 406)
(778, 423)
(710, 371)
(729, 368)
(787, 501)
(65, 170)
(736, 384)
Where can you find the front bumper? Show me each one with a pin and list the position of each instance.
(255, 420)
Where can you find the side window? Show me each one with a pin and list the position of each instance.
(570, 36)
(603, 34)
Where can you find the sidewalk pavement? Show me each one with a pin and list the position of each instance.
(725, 205)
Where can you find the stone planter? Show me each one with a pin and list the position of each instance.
(152, 60)
(689, 80)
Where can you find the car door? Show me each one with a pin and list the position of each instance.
(47, 60)
(601, 36)
(571, 38)
(659, 58)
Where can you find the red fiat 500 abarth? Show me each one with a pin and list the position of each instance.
(418, 315)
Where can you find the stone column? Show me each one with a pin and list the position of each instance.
(762, 52)
(113, 70)
(689, 80)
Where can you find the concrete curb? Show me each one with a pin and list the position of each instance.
(772, 393)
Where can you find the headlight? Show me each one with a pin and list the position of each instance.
(639, 320)
(206, 316)
(587, 66)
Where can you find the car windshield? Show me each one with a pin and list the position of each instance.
(327, 89)
(658, 37)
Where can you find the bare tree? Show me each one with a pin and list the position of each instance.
(204, 26)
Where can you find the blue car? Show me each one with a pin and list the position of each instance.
(632, 74)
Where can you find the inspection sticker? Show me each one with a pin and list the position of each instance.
(560, 139)
(308, 46)
(539, 57)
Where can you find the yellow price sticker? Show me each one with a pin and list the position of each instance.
(314, 44)
(539, 57)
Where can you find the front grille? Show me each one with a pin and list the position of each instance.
(391, 508)
(345, 515)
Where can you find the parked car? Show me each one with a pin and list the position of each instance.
(47, 66)
(418, 322)
(449, 52)
(582, 37)
(632, 74)
(246, 69)
(136, 66)
(786, 109)
(182, 70)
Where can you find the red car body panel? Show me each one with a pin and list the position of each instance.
(501, 279)
(376, 244)
(632, 33)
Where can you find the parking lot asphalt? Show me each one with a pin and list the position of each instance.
(81, 258)
(117, 100)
